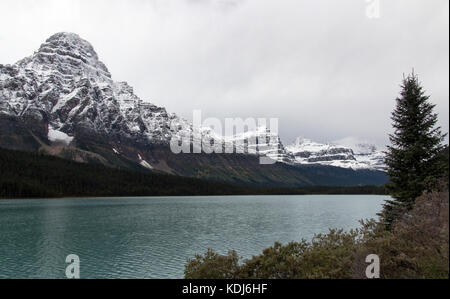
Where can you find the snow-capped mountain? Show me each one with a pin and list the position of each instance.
(65, 83)
(261, 142)
(365, 152)
(63, 91)
(358, 156)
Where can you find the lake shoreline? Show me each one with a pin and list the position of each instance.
(179, 196)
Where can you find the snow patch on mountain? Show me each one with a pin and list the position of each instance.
(144, 163)
(58, 136)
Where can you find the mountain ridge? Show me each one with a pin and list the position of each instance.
(62, 100)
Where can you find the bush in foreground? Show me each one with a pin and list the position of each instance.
(416, 247)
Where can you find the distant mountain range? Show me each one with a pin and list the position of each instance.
(356, 156)
(63, 101)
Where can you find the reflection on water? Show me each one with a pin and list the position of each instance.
(153, 237)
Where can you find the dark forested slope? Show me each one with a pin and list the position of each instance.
(24, 174)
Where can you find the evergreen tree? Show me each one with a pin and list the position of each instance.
(413, 157)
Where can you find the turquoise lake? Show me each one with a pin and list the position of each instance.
(154, 237)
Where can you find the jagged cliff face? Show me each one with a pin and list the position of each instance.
(62, 100)
(358, 156)
(66, 85)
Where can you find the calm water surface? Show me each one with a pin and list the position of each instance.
(153, 237)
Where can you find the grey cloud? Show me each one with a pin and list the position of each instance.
(321, 66)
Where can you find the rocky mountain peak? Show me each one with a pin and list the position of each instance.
(70, 42)
(65, 84)
(68, 54)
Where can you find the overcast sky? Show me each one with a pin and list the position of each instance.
(323, 67)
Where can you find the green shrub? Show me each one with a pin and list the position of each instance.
(213, 266)
(416, 247)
